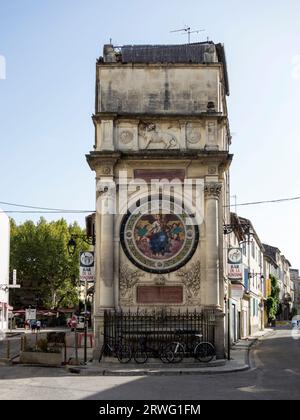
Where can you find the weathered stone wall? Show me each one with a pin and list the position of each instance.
(159, 89)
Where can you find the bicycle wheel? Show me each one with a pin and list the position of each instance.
(166, 355)
(204, 352)
(124, 353)
(140, 356)
(174, 352)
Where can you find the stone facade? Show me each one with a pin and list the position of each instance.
(160, 120)
(295, 278)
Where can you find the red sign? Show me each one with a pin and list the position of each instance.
(235, 272)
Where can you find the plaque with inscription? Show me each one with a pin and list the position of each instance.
(159, 294)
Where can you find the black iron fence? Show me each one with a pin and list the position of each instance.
(158, 327)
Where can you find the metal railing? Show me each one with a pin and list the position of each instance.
(158, 326)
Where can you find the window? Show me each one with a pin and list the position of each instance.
(253, 249)
(244, 249)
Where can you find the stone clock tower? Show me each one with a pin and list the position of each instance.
(161, 159)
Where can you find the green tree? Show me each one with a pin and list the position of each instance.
(273, 300)
(48, 274)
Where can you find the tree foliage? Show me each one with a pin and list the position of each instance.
(273, 302)
(47, 273)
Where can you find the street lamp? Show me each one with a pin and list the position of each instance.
(72, 245)
(90, 239)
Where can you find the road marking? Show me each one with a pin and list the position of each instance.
(292, 372)
(254, 389)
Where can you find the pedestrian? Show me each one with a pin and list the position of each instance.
(38, 325)
(33, 325)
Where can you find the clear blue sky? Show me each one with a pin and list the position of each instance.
(46, 101)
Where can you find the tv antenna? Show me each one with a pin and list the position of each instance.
(187, 30)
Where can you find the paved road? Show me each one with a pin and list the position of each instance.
(276, 376)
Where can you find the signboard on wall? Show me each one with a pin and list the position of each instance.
(30, 314)
(236, 291)
(87, 266)
(235, 266)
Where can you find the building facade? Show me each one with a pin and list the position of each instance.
(294, 273)
(160, 120)
(4, 271)
(247, 293)
(279, 266)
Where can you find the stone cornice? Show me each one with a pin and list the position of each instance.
(120, 64)
(99, 116)
(97, 158)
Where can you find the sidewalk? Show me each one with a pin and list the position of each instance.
(239, 362)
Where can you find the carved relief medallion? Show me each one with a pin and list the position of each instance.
(193, 134)
(126, 136)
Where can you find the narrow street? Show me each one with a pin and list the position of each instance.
(276, 375)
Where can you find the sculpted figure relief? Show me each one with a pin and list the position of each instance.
(153, 135)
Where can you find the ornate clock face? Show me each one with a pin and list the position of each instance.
(235, 255)
(160, 240)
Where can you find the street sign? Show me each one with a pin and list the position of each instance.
(235, 266)
(237, 291)
(235, 272)
(87, 266)
(14, 276)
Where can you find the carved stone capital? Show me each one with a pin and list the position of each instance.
(212, 189)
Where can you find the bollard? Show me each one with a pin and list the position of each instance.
(65, 349)
(8, 349)
(76, 344)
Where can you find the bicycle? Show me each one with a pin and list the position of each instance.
(123, 352)
(143, 352)
(203, 351)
